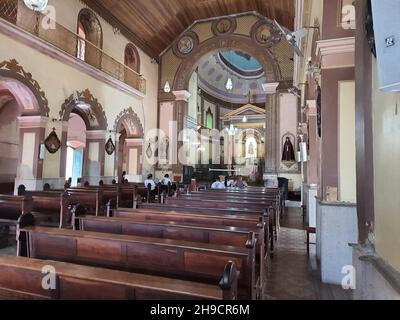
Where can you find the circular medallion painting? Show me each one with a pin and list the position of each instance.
(224, 26)
(265, 34)
(185, 45)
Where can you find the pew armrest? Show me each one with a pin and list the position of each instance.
(229, 282)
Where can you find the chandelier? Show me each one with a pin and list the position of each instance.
(36, 5)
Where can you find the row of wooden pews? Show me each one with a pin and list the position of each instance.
(189, 247)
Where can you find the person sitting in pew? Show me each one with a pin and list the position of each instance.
(153, 187)
(229, 182)
(166, 180)
(240, 183)
(218, 184)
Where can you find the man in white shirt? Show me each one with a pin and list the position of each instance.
(218, 184)
(166, 180)
(150, 181)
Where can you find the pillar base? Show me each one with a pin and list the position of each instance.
(271, 180)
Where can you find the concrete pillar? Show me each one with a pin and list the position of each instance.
(270, 133)
(181, 108)
(134, 154)
(31, 154)
(93, 168)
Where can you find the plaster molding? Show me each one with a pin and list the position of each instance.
(96, 134)
(33, 122)
(182, 95)
(336, 53)
(270, 88)
(134, 142)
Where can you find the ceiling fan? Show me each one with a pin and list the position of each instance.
(293, 37)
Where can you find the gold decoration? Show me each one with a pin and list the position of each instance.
(13, 66)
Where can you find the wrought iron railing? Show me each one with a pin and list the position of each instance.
(15, 12)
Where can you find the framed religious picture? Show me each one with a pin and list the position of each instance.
(110, 147)
(52, 142)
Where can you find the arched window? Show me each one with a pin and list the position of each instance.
(209, 119)
(81, 42)
(90, 38)
(132, 59)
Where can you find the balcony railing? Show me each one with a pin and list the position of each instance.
(15, 12)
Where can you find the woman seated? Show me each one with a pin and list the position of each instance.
(240, 183)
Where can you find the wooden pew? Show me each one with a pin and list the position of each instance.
(109, 195)
(21, 279)
(232, 236)
(254, 223)
(269, 216)
(12, 207)
(51, 204)
(170, 258)
(226, 197)
(90, 199)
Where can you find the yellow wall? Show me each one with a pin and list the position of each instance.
(347, 142)
(59, 80)
(387, 173)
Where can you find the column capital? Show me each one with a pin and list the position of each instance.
(96, 134)
(32, 122)
(270, 87)
(182, 95)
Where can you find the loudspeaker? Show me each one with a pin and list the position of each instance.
(386, 17)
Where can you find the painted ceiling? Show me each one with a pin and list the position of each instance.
(245, 71)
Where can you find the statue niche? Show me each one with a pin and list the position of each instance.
(288, 154)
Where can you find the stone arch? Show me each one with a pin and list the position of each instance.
(94, 117)
(243, 43)
(20, 83)
(130, 121)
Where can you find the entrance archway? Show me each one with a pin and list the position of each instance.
(76, 145)
(91, 117)
(130, 145)
(23, 120)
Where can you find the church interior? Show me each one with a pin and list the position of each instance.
(201, 150)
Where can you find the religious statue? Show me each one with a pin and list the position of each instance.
(288, 151)
(251, 149)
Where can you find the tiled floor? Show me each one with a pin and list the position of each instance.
(294, 275)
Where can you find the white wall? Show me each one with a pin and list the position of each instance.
(347, 142)
(386, 117)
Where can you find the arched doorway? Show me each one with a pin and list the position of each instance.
(90, 38)
(76, 145)
(130, 145)
(83, 142)
(23, 120)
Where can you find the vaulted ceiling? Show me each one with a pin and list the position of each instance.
(154, 24)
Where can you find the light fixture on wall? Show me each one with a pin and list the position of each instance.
(36, 5)
(244, 120)
(229, 84)
(167, 87)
